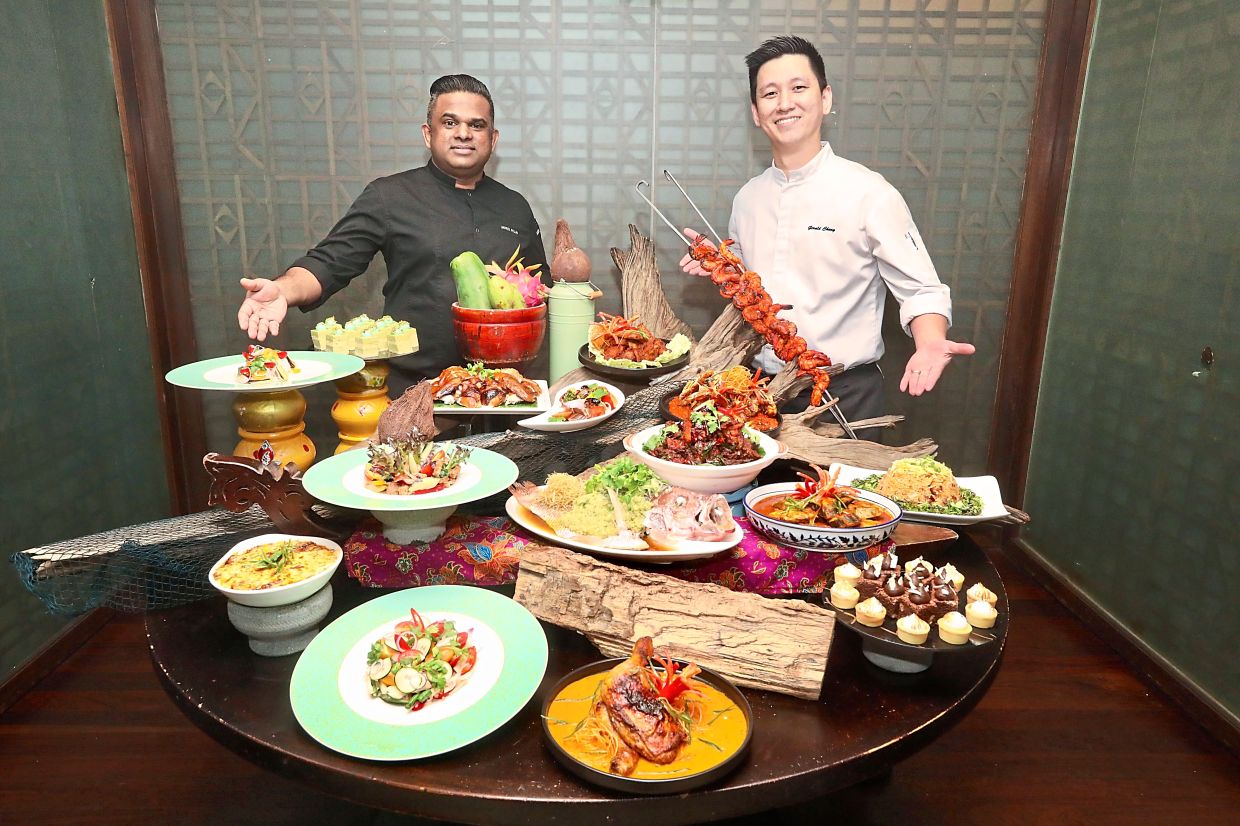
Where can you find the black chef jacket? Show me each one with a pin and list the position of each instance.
(420, 221)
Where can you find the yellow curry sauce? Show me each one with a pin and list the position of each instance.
(717, 737)
(260, 567)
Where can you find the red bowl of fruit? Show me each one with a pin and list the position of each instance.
(500, 338)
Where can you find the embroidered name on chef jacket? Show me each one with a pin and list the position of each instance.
(813, 228)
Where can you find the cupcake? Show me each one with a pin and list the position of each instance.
(919, 563)
(871, 613)
(954, 628)
(848, 574)
(981, 614)
(844, 595)
(981, 592)
(952, 576)
(912, 629)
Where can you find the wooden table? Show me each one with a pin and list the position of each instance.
(866, 720)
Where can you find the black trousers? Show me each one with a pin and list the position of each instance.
(860, 393)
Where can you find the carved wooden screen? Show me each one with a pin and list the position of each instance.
(284, 109)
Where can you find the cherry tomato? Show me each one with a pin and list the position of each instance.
(435, 629)
(466, 663)
(447, 654)
(462, 639)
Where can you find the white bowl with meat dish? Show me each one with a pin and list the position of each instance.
(817, 515)
(275, 569)
(577, 406)
(718, 460)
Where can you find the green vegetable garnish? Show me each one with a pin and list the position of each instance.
(629, 479)
(277, 559)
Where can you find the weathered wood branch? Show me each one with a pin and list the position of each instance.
(774, 645)
(642, 290)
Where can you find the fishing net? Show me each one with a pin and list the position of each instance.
(164, 563)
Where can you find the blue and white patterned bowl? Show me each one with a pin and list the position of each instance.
(826, 540)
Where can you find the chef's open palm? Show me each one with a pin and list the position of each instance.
(263, 309)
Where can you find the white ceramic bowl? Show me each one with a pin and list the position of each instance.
(705, 478)
(281, 594)
(828, 540)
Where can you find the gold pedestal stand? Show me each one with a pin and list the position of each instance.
(363, 396)
(278, 418)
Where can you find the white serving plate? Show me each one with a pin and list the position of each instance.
(541, 421)
(987, 487)
(281, 594)
(685, 549)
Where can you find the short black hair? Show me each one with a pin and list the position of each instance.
(458, 83)
(778, 47)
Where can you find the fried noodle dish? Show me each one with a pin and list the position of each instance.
(735, 391)
(708, 437)
(744, 288)
(923, 484)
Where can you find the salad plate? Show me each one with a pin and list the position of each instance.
(221, 373)
(543, 421)
(331, 695)
(681, 551)
(539, 405)
(986, 487)
(341, 480)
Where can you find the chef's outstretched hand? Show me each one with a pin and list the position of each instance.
(927, 364)
(688, 264)
(263, 309)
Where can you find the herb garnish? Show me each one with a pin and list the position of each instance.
(278, 558)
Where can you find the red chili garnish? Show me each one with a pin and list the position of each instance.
(417, 620)
(669, 684)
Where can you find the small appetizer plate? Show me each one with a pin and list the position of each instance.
(543, 420)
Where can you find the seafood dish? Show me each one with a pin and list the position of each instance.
(735, 390)
(419, 663)
(626, 342)
(822, 503)
(263, 364)
(707, 437)
(622, 504)
(411, 465)
(649, 717)
(924, 485)
(744, 288)
(478, 386)
(274, 564)
(585, 401)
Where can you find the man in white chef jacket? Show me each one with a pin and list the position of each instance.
(831, 238)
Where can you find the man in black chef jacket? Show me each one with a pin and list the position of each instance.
(420, 220)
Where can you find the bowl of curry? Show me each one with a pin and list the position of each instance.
(717, 718)
(816, 514)
(275, 569)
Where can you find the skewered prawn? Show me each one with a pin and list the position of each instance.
(744, 288)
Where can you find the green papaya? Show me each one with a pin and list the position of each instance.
(504, 294)
(470, 275)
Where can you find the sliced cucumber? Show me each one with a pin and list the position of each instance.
(410, 680)
(380, 669)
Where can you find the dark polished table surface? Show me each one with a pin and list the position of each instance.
(865, 720)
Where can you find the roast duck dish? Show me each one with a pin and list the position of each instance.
(479, 386)
(744, 288)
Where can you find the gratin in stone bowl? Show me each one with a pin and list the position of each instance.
(810, 538)
(705, 478)
(281, 594)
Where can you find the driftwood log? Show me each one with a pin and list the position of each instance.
(771, 644)
(731, 340)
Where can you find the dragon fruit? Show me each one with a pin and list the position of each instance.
(524, 278)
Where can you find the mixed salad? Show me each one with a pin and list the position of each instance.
(586, 401)
(413, 465)
(419, 662)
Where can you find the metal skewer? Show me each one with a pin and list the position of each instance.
(835, 411)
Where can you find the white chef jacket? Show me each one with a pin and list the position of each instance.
(826, 238)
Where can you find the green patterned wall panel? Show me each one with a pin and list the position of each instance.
(284, 109)
(1133, 477)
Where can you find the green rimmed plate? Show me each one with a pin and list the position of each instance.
(341, 480)
(221, 373)
(330, 693)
